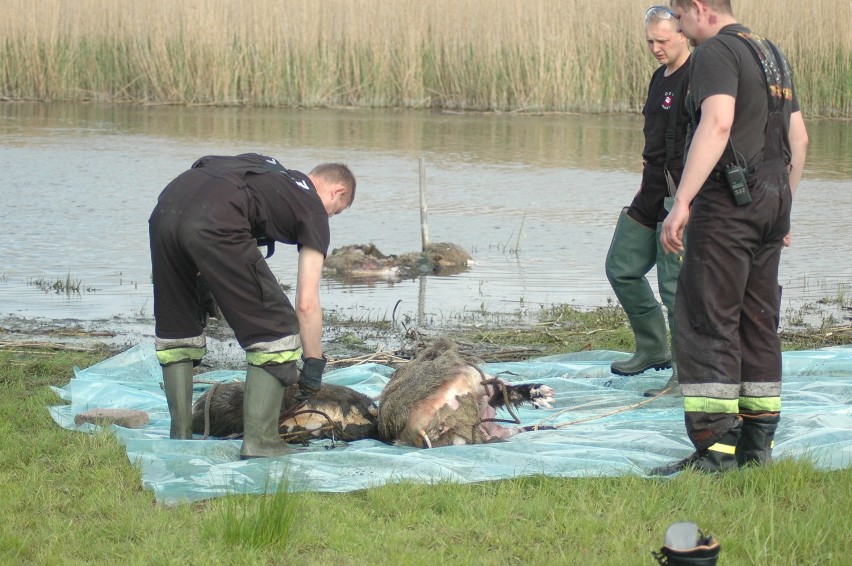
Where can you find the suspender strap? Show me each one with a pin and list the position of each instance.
(776, 72)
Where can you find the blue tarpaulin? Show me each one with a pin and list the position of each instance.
(603, 428)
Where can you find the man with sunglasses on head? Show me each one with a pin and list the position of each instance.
(745, 156)
(635, 246)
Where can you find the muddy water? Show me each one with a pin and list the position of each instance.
(534, 199)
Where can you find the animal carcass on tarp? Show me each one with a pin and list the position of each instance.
(600, 430)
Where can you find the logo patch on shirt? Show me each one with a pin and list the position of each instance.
(667, 100)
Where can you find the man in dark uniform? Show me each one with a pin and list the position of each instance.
(744, 162)
(635, 247)
(209, 221)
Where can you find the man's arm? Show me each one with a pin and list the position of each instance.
(798, 147)
(308, 307)
(708, 144)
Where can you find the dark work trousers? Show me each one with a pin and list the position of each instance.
(728, 300)
(200, 224)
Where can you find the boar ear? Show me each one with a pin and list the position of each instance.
(436, 349)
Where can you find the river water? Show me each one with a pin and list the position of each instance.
(534, 199)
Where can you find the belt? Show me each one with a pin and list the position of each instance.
(718, 175)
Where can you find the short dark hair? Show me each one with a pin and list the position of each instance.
(721, 6)
(336, 173)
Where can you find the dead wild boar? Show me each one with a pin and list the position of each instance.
(442, 398)
(353, 414)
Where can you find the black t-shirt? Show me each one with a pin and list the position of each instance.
(659, 104)
(285, 204)
(725, 65)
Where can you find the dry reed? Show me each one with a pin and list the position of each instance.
(511, 55)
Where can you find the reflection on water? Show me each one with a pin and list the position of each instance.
(533, 199)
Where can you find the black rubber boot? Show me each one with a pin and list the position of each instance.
(685, 545)
(177, 383)
(632, 253)
(264, 394)
(757, 438)
(720, 457)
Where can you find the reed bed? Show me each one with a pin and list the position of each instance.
(512, 55)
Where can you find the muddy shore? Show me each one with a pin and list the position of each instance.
(346, 342)
(116, 335)
(491, 337)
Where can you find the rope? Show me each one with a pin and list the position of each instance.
(294, 412)
(604, 415)
(300, 410)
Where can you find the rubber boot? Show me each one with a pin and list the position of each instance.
(685, 545)
(671, 388)
(262, 400)
(177, 383)
(720, 457)
(632, 253)
(652, 351)
(668, 270)
(757, 438)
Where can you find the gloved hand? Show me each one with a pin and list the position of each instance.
(310, 379)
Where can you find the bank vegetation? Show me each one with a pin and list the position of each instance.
(73, 498)
(468, 55)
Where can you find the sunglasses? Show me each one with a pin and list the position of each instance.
(659, 12)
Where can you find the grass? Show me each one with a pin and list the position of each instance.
(526, 56)
(256, 523)
(71, 498)
(67, 285)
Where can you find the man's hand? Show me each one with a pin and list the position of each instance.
(310, 379)
(788, 240)
(672, 234)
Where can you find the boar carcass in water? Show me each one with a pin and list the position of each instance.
(442, 398)
(335, 412)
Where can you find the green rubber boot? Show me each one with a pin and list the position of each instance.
(632, 253)
(652, 351)
(670, 389)
(668, 270)
(264, 394)
(177, 383)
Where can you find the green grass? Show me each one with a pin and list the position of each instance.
(72, 498)
(255, 523)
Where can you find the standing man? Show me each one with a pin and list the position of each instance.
(635, 247)
(209, 221)
(744, 162)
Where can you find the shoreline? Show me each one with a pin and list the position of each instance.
(501, 337)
